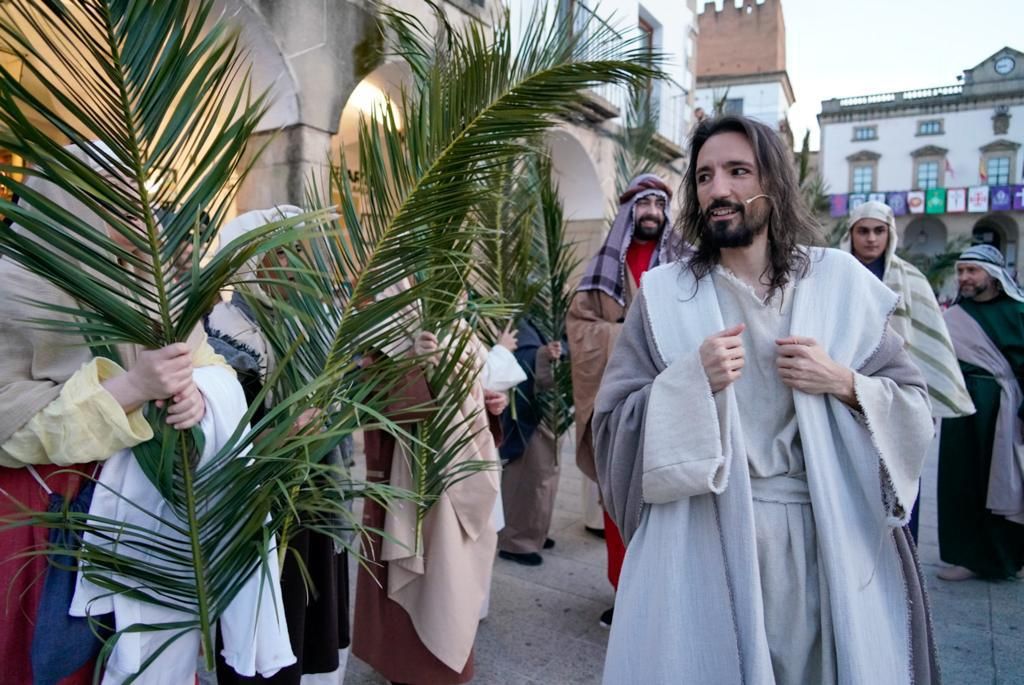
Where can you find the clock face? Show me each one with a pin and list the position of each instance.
(1004, 65)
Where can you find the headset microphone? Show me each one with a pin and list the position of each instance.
(749, 200)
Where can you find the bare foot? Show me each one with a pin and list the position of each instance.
(956, 573)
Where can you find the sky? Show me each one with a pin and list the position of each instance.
(841, 48)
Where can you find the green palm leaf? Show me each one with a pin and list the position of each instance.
(504, 264)
(480, 105)
(152, 87)
(418, 219)
(555, 263)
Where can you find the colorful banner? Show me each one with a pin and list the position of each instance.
(915, 201)
(956, 200)
(935, 201)
(838, 206)
(1001, 198)
(977, 199)
(898, 202)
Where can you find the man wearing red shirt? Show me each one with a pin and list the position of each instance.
(637, 242)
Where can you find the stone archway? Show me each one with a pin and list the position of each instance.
(999, 230)
(376, 89)
(270, 68)
(584, 204)
(925, 235)
(379, 88)
(310, 55)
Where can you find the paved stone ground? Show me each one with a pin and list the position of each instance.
(979, 626)
(543, 624)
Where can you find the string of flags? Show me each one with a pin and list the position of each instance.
(976, 199)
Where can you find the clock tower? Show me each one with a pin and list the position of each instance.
(1001, 72)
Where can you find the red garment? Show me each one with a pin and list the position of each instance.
(21, 578)
(616, 550)
(638, 257)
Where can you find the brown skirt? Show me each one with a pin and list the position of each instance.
(528, 488)
(382, 633)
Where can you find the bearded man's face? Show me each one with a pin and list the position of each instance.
(975, 283)
(727, 177)
(648, 218)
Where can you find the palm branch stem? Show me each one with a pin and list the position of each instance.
(134, 147)
(198, 560)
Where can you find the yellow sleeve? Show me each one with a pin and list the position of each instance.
(84, 424)
(204, 355)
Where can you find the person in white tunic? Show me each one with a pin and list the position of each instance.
(759, 433)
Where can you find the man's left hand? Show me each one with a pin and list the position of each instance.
(804, 365)
(495, 401)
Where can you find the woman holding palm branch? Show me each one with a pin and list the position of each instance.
(63, 411)
(418, 601)
(314, 575)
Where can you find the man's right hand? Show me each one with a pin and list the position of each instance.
(722, 357)
(157, 375)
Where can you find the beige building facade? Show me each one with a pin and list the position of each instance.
(948, 158)
(320, 61)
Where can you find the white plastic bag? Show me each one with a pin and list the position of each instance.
(502, 372)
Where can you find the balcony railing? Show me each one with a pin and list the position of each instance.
(672, 116)
(894, 98)
(584, 23)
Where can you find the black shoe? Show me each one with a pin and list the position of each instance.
(606, 618)
(549, 543)
(524, 558)
(596, 532)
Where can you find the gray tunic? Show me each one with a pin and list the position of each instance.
(792, 583)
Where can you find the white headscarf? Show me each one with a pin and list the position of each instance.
(991, 260)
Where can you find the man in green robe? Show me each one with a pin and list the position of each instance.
(981, 487)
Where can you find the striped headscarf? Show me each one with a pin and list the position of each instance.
(918, 320)
(607, 270)
(991, 260)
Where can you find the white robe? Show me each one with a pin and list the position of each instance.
(252, 626)
(697, 540)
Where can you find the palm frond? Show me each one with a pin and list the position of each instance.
(635, 152)
(504, 264)
(144, 92)
(403, 248)
(555, 262)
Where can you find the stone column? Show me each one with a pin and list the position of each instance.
(325, 47)
(288, 161)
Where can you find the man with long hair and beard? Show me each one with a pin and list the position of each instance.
(758, 435)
